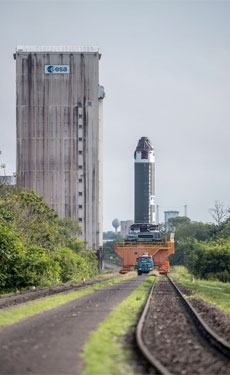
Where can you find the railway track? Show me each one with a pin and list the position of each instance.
(37, 293)
(175, 340)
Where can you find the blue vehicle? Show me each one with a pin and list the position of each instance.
(144, 264)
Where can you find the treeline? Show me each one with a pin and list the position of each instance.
(203, 248)
(37, 248)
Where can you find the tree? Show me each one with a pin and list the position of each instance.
(224, 231)
(219, 213)
(36, 246)
(185, 236)
(109, 254)
(110, 235)
(174, 222)
(210, 260)
(12, 255)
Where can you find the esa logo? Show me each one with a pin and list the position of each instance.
(50, 69)
(56, 69)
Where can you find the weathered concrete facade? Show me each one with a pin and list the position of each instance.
(59, 132)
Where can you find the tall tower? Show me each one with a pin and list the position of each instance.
(59, 131)
(144, 194)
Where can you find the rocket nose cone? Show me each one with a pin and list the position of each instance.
(144, 144)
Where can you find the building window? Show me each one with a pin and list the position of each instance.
(80, 206)
(80, 126)
(80, 115)
(80, 193)
(80, 180)
(80, 219)
(89, 104)
(80, 152)
(80, 167)
(80, 139)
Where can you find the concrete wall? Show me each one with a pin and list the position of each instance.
(59, 135)
(125, 226)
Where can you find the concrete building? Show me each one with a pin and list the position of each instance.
(125, 227)
(59, 131)
(8, 180)
(144, 190)
(168, 215)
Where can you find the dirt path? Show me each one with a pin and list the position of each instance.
(51, 342)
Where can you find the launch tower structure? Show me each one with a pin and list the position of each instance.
(144, 190)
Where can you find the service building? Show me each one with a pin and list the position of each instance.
(59, 131)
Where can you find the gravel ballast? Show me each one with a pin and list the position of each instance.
(175, 343)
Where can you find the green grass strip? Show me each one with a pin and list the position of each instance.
(14, 314)
(106, 352)
(215, 292)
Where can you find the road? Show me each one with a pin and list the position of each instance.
(51, 342)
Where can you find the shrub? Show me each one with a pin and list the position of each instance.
(12, 255)
(75, 267)
(40, 268)
(37, 248)
(210, 260)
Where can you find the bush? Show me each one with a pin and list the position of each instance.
(37, 248)
(210, 260)
(75, 267)
(69, 265)
(91, 263)
(223, 276)
(40, 268)
(12, 255)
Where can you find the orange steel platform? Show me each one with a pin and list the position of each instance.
(129, 252)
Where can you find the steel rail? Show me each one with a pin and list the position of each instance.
(140, 342)
(214, 340)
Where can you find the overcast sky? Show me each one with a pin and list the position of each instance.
(165, 68)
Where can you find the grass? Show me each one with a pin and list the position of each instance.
(215, 292)
(14, 314)
(106, 351)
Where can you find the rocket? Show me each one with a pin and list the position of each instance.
(144, 182)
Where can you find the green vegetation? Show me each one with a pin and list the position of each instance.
(203, 248)
(110, 238)
(37, 248)
(109, 254)
(14, 314)
(106, 351)
(215, 292)
(110, 235)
